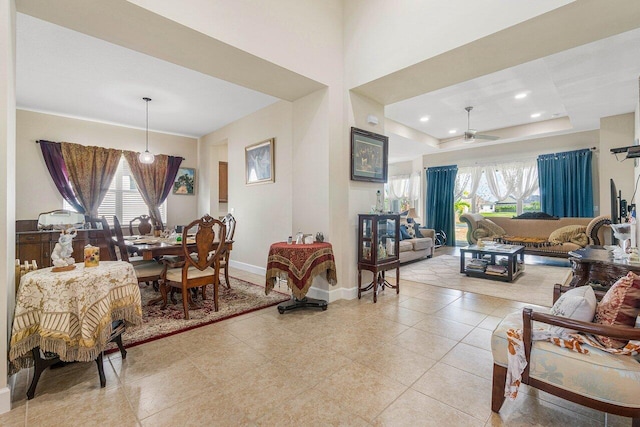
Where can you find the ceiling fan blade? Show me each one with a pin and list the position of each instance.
(486, 137)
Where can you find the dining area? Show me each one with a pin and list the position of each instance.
(74, 311)
(193, 258)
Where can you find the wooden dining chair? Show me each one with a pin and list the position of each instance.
(146, 271)
(230, 222)
(144, 226)
(201, 268)
(103, 238)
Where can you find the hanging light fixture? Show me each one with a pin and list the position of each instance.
(147, 157)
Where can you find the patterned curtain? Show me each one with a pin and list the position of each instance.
(566, 187)
(52, 153)
(91, 170)
(154, 180)
(440, 187)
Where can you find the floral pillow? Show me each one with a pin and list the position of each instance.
(619, 306)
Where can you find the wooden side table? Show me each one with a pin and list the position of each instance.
(300, 264)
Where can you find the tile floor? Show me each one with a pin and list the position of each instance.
(420, 358)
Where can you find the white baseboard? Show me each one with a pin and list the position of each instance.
(248, 267)
(333, 294)
(5, 399)
(330, 295)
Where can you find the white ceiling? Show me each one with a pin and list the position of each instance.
(586, 83)
(64, 72)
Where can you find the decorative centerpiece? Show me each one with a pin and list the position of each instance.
(61, 255)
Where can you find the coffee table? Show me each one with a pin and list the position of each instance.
(510, 252)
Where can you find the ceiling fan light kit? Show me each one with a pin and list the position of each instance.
(147, 158)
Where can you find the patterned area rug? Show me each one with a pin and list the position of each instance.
(533, 286)
(243, 297)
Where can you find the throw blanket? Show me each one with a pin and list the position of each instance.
(517, 362)
(529, 242)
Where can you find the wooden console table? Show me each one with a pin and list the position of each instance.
(595, 265)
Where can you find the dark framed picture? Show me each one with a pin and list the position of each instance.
(259, 162)
(185, 182)
(369, 156)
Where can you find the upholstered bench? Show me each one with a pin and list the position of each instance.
(600, 380)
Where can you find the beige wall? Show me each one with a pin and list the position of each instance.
(615, 131)
(31, 126)
(263, 211)
(7, 185)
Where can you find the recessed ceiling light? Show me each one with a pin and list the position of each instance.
(453, 131)
(535, 115)
(424, 119)
(521, 95)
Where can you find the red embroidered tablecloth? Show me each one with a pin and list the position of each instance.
(300, 263)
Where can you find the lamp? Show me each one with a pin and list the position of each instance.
(412, 213)
(146, 157)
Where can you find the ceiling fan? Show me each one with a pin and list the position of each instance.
(470, 135)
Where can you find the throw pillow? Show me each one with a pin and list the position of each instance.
(404, 234)
(619, 306)
(493, 228)
(417, 230)
(578, 304)
(409, 225)
(570, 233)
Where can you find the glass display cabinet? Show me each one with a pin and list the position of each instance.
(378, 250)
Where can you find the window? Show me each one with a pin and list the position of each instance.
(123, 198)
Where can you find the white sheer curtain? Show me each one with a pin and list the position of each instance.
(399, 187)
(500, 181)
(516, 179)
(525, 181)
(404, 190)
(467, 179)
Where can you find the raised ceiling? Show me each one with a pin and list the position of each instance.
(584, 84)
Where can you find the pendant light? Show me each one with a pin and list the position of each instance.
(147, 157)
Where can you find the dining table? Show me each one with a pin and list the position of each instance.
(70, 313)
(156, 247)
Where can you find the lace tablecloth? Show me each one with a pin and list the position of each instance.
(300, 263)
(70, 313)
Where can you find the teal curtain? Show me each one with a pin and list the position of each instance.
(566, 187)
(440, 215)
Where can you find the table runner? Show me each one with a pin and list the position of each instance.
(70, 313)
(300, 263)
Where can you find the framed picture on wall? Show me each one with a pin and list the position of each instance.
(185, 182)
(260, 167)
(369, 156)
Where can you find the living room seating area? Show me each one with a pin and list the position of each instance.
(554, 237)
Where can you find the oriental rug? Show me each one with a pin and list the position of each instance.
(242, 298)
(533, 286)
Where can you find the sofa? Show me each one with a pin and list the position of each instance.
(418, 247)
(539, 236)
